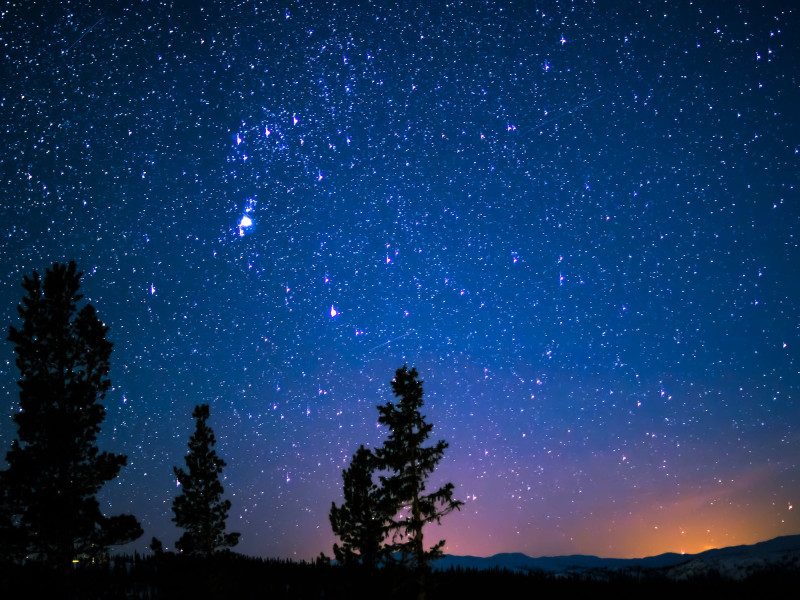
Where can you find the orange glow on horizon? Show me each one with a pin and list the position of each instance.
(745, 512)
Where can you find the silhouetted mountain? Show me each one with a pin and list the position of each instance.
(735, 561)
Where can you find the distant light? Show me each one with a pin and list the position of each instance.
(334, 312)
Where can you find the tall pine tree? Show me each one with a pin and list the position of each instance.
(407, 465)
(360, 522)
(54, 466)
(199, 509)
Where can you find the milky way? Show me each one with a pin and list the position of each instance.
(578, 220)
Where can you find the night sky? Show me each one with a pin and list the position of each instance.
(578, 220)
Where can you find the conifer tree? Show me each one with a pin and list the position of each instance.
(199, 509)
(361, 519)
(407, 465)
(54, 466)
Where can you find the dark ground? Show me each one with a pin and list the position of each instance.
(240, 578)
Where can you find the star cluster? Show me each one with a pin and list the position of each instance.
(578, 220)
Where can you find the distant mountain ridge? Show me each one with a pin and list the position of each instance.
(734, 561)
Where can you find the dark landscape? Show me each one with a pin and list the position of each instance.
(761, 570)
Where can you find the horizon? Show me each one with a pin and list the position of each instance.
(579, 223)
(118, 550)
(625, 557)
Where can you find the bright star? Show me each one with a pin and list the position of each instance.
(245, 223)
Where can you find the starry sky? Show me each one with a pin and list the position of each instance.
(578, 220)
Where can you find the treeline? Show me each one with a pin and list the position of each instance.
(228, 575)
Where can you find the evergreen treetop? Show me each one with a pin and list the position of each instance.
(360, 523)
(408, 464)
(199, 509)
(54, 466)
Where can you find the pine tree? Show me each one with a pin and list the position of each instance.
(199, 509)
(408, 464)
(54, 466)
(361, 520)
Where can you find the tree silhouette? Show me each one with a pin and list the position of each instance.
(408, 464)
(49, 508)
(361, 520)
(199, 509)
